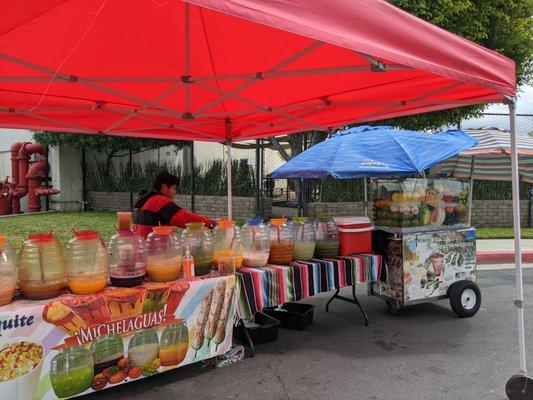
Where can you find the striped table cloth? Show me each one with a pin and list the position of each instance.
(272, 285)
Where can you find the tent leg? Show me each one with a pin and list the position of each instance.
(230, 192)
(518, 251)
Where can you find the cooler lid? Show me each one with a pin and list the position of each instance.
(352, 220)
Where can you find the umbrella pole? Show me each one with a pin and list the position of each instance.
(471, 190)
(365, 196)
(518, 251)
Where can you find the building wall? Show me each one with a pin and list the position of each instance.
(210, 206)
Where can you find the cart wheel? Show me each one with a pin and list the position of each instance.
(392, 307)
(465, 299)
(519, 387)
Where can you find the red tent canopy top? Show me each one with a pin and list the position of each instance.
(231, 69)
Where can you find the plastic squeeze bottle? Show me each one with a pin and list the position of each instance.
(188, 264)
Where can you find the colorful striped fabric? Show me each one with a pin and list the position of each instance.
(272, 285)
(491, 157)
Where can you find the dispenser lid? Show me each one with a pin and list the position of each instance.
(194, 225)
(163, 229)
(41, 237)
(255, 221)
(225, 223)
(2, 239)
(301, 219)
(86, 234)
(278, 221)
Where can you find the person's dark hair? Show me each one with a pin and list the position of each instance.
(165, 178)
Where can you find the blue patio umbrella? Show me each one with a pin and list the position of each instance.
(375, 151)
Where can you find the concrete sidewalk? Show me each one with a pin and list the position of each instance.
(501, 251)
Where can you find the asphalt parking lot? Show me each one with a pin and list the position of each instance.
(425, 352)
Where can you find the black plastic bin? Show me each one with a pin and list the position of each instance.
(265, 330)
(297, 315)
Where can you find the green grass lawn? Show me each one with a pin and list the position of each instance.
(502, 233)
(17, 228)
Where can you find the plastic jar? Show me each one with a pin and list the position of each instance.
(164, 254)
(327, 238)
(71, 371)
(87, 263)
(8, 272)
(304, 238)
(281, 244)
(174, 344)
(127, 258)
(200, 242)
(256, 243)
(41, 267)
(227, 242)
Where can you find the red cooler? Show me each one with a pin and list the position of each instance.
(355, 235)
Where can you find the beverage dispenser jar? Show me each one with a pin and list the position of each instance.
(281, 242)
(200, 242)
(127, 258)
(164, 254)
(227, 242)
(304, 238)
(41, 267)
(256, 238)
(8, 272)
(327, 238)
(87, 263)
(71, 371)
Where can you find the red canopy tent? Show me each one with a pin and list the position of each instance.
(231, 70)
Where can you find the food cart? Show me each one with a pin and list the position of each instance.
(423, 232)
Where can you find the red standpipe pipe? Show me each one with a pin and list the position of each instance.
(15, 201)
(36, 173)
(24, 154)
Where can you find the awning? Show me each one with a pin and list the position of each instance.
(231, 69)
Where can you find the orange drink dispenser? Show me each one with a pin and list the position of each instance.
(256, 239)
(127, 258)
(87, 263)
(227, 242)
(304, 238)
(8, 272)
(164, 254)
(199, 240)
(281, 241)
(41, 267)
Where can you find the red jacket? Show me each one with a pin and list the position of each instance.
(156, 209)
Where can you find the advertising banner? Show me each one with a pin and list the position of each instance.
(73, 345)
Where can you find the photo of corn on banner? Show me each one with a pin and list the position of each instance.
(73, 345)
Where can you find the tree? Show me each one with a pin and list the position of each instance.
(111, 146)
(505, 26)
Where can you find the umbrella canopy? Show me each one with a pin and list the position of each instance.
(490, 159)
(374, 151)
(221, 70)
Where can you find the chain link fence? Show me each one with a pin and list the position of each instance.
(203, 171)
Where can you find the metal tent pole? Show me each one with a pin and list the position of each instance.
(230, 193)
(229, 165)
(517, 245)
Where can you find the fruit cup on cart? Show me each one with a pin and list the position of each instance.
(423, 233)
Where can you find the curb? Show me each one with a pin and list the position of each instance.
(502, 257)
